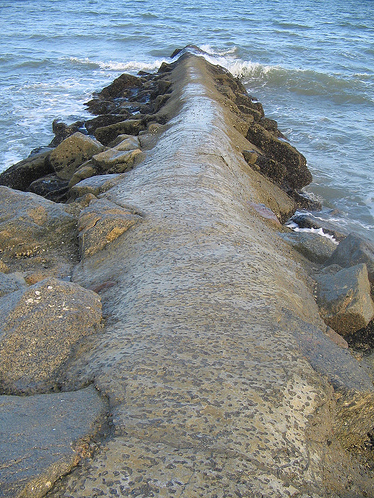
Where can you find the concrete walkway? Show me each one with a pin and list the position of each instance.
(208, 357)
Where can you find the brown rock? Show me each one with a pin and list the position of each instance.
(39, 329)
(72, 153)
(101, 223)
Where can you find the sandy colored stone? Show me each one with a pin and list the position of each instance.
(72, 153)
(101, 223)
(39, 329)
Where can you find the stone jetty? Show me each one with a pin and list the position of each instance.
(162, 334)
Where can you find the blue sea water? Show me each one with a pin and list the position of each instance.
(309, 62)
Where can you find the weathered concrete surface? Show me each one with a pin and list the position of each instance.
(42, 437)
(206, 358)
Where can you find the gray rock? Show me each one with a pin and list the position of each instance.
(72, 153)
(39, 330)
(41, 438)
(30, 224)
(11, 282)
(311, 245)
(344, 299)
(103, 222)
(352, 251)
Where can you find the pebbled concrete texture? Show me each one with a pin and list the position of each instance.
(210, 378)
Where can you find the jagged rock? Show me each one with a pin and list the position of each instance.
(296, 173)
(344, 299)
(30, 224)
(39, 330)
(95, 185)
(43, 437)
(62, 131)
(117, 161)
(103, 222)
(21, 175)
(107, 134)
(51, 187)
(353, 250)
(11, 282)
(313, 246)
(72, 153)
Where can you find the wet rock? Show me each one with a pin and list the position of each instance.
(30, 224)
(105, 120)
(11, 282)
(344, 299)
(310, 220)
(39, 330)
(95, 185)
(62, 131)
(353, 250)
(21, 175)
(101, 223)
(313, 246)
(51, 187)
(72, 153)
(296, 174)
(43, 437)
(107, 134)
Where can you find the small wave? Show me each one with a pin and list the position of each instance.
(116, 66)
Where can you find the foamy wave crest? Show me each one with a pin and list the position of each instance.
(115, 66)
(297, 80)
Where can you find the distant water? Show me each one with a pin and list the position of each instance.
(309, 62)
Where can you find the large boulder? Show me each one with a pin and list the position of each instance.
(43, 437)
(30, 224)
(22, 174)
(39, 330)
(352, 251)
(344, 299)
(101, 223)
(72, 153)
(289, 168)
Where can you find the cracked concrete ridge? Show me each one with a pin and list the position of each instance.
(220, 379)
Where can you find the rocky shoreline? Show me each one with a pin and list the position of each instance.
(146, 240)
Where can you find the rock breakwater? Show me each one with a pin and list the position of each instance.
(203, 340)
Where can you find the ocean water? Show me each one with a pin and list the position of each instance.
(309, 62)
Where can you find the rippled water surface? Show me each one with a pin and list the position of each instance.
(310, 63)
